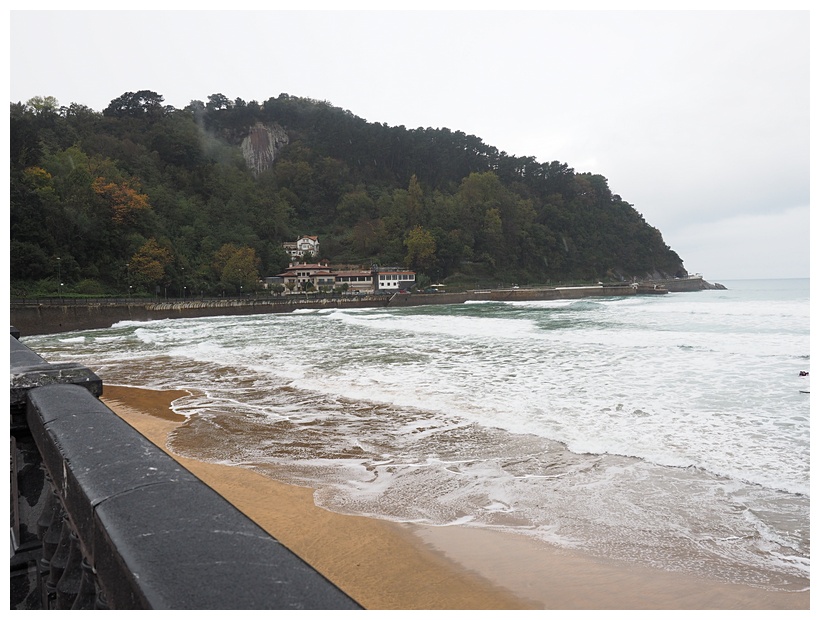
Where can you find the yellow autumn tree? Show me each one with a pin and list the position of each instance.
(147, 265)
(221, 258)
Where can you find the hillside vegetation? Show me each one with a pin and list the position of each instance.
(143, 197)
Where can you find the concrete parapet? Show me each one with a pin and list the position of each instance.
(29, 370)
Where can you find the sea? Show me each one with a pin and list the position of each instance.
(669, 431)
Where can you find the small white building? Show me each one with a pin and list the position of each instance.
(394, 279)
(303, 245)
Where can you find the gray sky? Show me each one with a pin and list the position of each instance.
(700, 119)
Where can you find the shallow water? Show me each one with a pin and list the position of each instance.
(665, 430)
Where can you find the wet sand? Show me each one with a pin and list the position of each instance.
(385, 565)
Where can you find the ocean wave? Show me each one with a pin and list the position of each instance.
(662, 430)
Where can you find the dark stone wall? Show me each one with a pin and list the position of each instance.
(54, 317)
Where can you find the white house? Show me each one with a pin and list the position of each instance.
(303, 245)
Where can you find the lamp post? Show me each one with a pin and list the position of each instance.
(59, 276)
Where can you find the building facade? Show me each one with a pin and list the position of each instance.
(304, 277)
(393, 279)
(357, 281)
(301, 277)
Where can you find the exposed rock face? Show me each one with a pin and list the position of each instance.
(262, 146)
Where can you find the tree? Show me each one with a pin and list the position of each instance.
(42, 105)
(177, 141)
(415, 202)
(28, 261)
(221, 257)
(491, 234)
(218, 101)
(241, 270)
(355, 206)
(125, 202)
(421, 249)
(141, 104)
(146, 267)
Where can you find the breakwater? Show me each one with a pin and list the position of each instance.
(516, 294)
(35, 317)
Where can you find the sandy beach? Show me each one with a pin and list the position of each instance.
(385, 565)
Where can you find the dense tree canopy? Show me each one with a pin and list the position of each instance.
(144, 195)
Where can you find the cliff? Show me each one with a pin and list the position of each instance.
(262, 145)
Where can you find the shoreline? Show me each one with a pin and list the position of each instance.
(387, 565)
(377, 563)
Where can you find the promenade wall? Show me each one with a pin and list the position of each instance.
(54, 316)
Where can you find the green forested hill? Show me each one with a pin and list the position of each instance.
(144, 195)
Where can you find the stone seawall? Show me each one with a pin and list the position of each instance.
(55, 317)
(33, 318)
(518, 294)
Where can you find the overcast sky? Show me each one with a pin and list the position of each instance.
(700, 119)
